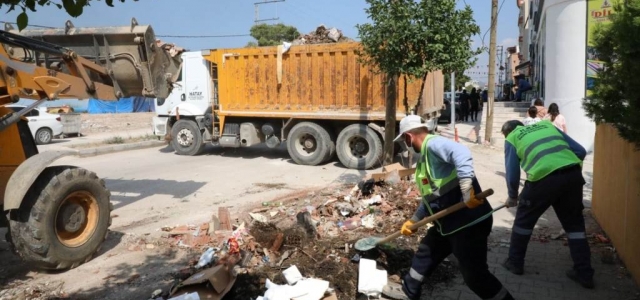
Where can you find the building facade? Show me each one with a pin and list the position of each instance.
(555, 59)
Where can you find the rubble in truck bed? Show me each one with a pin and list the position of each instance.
(313, 233)
(322, 35)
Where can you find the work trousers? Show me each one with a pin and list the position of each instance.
(469, 246)
(562, 190)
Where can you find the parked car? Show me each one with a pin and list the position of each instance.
(445, 116)
(43, 125)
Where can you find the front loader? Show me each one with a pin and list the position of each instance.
(58, 216)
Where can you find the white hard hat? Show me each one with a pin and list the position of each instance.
(412, 122)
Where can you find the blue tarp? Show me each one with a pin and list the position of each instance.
(124, 105)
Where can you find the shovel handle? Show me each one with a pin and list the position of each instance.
(447, 211)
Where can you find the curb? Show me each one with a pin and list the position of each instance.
(118, 148)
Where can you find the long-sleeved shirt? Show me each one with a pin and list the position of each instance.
(512, 162)
(444, 155)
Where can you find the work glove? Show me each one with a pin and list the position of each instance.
(466, 186)
(473, 202)
(511, 202)
(405, 228)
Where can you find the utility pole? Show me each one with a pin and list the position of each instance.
(256, 18)
(492, 72)
(500, 50)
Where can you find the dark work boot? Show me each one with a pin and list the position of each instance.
(411, 287)
(512, 267)
(584, 281)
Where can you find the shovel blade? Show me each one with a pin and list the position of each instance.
(367, 244)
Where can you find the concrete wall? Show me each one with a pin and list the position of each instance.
(616, 194)
(564, 41)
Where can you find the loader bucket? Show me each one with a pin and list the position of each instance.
(137, 63)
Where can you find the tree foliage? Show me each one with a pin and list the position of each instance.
(461, 80)
(73, 7)
(416, 37)
(272, 35)
(616, 92)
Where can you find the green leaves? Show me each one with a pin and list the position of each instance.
(271, 35)
(22, 21)
(73, 7)
(616, 92)
(416, 37)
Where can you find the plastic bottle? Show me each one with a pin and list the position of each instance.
(206, 258)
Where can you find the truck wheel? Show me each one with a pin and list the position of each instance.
(63, 219)
(309, 144)
(186, 138)
(43, 136)
(359, 147)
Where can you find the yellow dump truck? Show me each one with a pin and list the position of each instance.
(318, 99)
(58, 216)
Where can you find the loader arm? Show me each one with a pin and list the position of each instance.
(105, 63)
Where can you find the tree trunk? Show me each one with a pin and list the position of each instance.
(390, 118)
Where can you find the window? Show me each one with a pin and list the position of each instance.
(33, 113)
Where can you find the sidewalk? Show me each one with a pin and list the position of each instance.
(548, 255)
(93, 138)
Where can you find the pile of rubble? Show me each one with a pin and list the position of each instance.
(302, 247)
(322, 35)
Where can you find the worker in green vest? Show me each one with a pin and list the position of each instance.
(445, 176)
(553, 163)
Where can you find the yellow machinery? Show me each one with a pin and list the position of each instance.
(58, 216)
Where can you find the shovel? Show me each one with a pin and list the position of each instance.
(366, 244)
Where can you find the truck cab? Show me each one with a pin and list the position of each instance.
(190, 101)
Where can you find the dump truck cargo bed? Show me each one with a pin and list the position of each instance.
(325, 81)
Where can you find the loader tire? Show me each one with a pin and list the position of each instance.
(310, 144)
(186, 138)
(63, 219)
(359, 147)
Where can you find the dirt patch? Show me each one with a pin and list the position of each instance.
(101, 123)
(115, 140)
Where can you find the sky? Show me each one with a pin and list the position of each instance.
(235, 17)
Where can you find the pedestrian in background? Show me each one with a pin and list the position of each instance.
(542, 112)
(533, 116)
(553, 163)
(475, 104)
(465, 105)
(553, 115)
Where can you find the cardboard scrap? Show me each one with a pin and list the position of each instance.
(221, 278)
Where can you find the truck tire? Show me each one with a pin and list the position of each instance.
(186, 138)
(359, 147)
(63, 220)
(309, 144)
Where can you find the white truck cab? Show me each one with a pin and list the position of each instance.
(188, 106)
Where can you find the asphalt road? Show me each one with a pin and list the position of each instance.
(154, 187)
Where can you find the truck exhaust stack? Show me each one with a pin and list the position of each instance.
(137, 63)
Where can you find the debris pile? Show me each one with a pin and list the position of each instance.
(303, 247)
(322, 35)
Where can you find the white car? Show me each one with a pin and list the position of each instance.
(44, 126)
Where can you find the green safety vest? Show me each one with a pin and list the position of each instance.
(541, 149)
(431, 187)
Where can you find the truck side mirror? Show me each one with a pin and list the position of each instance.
(182, 97)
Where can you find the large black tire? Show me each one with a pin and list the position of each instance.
(186, 138)
(38, 231)
(359, 147)
(310, 144)
(43, 136)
